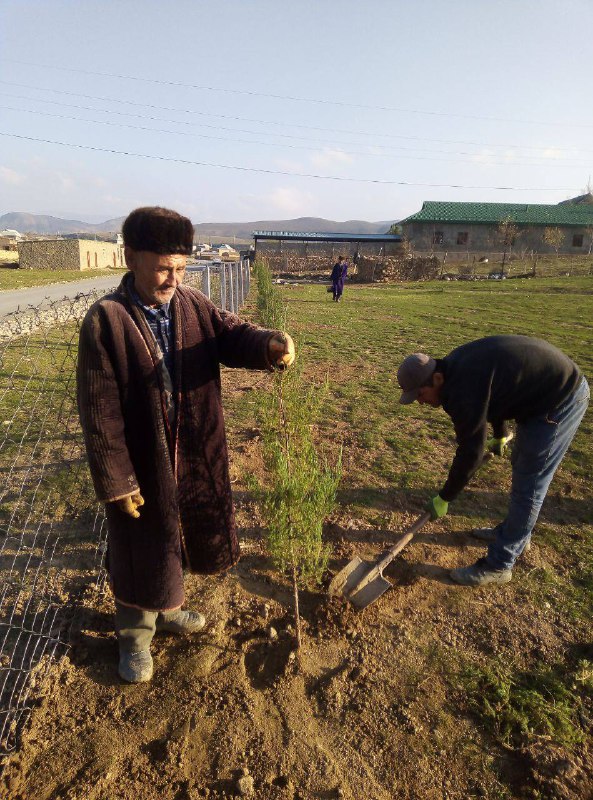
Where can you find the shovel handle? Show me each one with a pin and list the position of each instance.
(401, 543)
(415, 527)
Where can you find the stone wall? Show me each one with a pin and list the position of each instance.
(69, 254)
(316, 257)
(391, 268)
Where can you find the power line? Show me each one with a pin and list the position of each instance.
(293, 98)
(274, 171)
(284, 145)
(260, 121)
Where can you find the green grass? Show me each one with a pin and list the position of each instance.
(519, 705)
(11, 278)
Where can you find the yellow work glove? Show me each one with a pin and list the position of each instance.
(497, 446)
(130, 504)
(281, 350)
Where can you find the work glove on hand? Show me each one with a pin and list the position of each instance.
(281, 350)
(437, 507)
(130, 504)
(497, 446)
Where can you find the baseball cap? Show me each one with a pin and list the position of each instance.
(414, 372)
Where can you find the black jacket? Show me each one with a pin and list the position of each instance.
(497, 379)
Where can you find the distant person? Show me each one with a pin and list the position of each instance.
(493, 380)
(338, 276)
(151, 412)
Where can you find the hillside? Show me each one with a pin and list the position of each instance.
(42, 224)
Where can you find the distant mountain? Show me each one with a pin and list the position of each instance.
(40, 224)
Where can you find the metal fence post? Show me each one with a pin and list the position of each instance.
(240, 265)
(231, 289)
(222, 287)
(206, 289)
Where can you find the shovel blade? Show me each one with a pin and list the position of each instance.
(370, 592)
(349, 577)
(360, 582)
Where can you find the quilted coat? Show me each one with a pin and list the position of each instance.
(177, 461)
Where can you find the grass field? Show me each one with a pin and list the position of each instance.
(519, 691)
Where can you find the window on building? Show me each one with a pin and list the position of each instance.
(438, 237)
(462, 237)
(577, 240)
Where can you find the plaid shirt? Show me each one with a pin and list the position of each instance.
(161, 324)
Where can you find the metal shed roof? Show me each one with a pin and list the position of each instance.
(488, 213)
(325, 237)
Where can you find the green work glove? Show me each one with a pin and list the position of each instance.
(497, 446)
(437, 507)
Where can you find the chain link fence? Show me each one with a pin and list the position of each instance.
(52, 531)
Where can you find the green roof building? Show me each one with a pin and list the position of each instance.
(476, 227)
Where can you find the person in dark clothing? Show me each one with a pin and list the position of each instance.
(151, 412)
(338, 276)
(494, 380)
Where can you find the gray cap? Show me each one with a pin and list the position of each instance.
(414, 372)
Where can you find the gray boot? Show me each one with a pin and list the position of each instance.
(135, 667)
(135, 629)
(180, 622)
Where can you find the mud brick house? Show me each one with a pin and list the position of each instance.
(71, 254)
(474, 227)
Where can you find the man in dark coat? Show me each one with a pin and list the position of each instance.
(493, 380)
(338, 276)
(151, 411)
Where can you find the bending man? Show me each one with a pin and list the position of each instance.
(493, 380)
(151, 412)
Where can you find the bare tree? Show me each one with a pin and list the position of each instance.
(508, 231)
(554, 237)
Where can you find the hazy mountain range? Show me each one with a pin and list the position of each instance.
(42, 224)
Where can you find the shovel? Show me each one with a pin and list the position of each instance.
(362, 582)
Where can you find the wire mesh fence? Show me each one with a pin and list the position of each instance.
(52, 531)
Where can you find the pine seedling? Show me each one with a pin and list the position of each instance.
(302, 484)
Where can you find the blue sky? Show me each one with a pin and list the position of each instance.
(401, 101)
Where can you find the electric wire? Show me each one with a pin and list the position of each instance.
(563, 163)
(293, 98)
(340, 178)
(375, 134)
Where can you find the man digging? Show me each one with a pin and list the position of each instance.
(151, 412)
(493, 380)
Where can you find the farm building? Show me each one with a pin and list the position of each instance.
(316, 252)
(476, 227)
(9, 239)
(70, 254)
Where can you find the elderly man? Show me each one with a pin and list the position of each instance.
(151, 411)
(493, 380)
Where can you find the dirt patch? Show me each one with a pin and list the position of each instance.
(371, 708)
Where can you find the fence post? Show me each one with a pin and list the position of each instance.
(222, 286)
(207, 286)
(231, 289)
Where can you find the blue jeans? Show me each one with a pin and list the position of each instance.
(540, 445)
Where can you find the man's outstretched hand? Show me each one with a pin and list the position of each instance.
(130, 504)
(281, 350)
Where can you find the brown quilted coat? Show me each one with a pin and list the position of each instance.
(180, 469)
